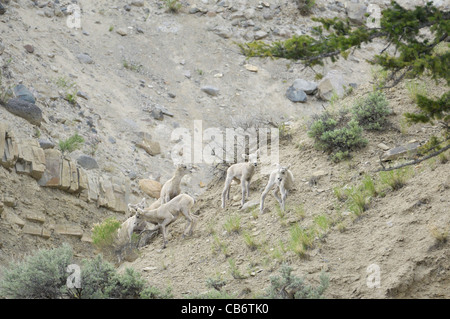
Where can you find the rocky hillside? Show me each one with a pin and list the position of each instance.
(132, 73)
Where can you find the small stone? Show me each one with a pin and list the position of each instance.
(137, 3)
(83, 95)
(157, 114)
(383, 146)
(211, 90)
(85, 58)
(29, 48)
(223, 32)
(122, 31)
(260, 35)
(251, 68)
(319, 173)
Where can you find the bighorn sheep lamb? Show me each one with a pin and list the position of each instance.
(243, 173)
(168, 213)
(171, 188)
(126, 229)
(284, 180)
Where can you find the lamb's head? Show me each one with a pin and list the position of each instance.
(133, 208)
(252, 158)
(182, 169)
(282, 172)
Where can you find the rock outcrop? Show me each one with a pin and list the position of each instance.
(52, 169)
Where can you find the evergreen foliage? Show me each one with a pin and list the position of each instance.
(415, 54)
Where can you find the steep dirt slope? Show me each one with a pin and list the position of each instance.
(395, 233)
(166, 63)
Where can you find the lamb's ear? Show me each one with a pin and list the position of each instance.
(289, 166)
(244, 156)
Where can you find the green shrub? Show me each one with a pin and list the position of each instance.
(250, 241)
(104, 234)
(40, 276)
(322, 222)
(332, 133)
(233, 224)
(358, 200)
(301, 239)
(44, 276)
(368, 185)
(69, 87)
(172, 5)
(288, 286)
(305, 6)
(127, 285)
(372, 111)
(71, 144)
(100, 280)
(96, 276)
(397, 178)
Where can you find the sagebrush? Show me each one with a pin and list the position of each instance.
(288, 286)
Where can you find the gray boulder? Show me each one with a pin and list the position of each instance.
(308, 87)
(24, 109)
(332, 83)
(296, 95)
(46, 144)
(87, 162)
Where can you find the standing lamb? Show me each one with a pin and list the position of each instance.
(284, 180)
(171, 188)
(168, 213)
(126, 229)
(240, 173)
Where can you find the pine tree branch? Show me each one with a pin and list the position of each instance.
(415, 161)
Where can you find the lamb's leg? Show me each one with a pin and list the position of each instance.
(226, 191)
(163, 229)
(248, 189)
(243, 188)
(189, 223)
(263, 196)
(194, 223)
(283, 197)
(276, 193)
